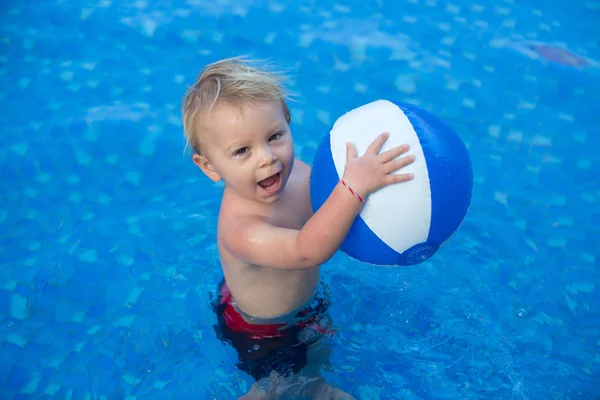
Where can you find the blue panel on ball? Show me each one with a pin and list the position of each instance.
(450, 172)
(324, 176)
(364, 245)
(419, 253)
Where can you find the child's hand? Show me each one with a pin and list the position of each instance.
(372, 171)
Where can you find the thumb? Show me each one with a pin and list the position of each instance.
(350, 151)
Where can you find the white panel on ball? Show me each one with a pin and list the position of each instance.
(361, 126)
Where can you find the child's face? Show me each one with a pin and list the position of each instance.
(250, 148)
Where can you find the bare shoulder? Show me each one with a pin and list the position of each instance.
(303, 168)
(299, 191)
(300, 178)
(235, 216)
(247, 237)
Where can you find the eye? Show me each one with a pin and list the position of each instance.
(274, 137)
(240, 152)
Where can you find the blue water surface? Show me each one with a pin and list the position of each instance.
(107, 230)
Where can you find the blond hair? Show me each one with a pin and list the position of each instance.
(235, 81)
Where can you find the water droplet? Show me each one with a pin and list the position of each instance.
(256, 347)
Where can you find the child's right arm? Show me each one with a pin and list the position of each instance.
(260, 243)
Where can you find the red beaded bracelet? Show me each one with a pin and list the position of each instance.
(352, 191)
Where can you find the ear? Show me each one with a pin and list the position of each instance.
(204, 164)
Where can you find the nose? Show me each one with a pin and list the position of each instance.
(266, 156)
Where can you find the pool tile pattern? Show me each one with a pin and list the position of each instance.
(107, 230)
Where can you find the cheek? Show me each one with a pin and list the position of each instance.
(289, 145)
(231, 169)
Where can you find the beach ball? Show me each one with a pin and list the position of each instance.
(405, 223)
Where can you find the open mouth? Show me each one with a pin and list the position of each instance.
(272, 183)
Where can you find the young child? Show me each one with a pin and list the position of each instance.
(271, 306)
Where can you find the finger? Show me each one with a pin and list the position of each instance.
(398, 163)
(391, 179)
(377, 144)
(350, 151)
(394, 152)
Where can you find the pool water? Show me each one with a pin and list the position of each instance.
(107, 229)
